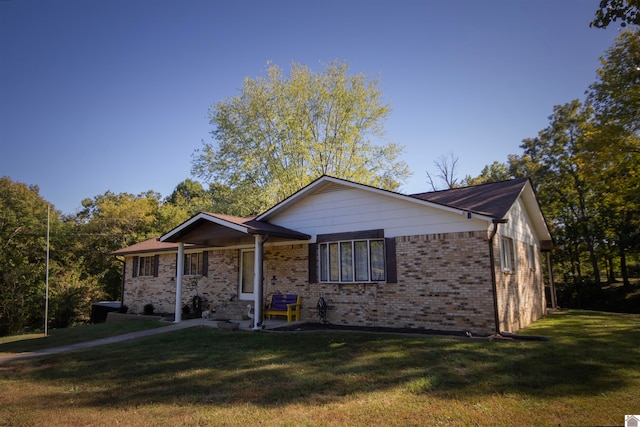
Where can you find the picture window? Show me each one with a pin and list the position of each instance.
(352, 261)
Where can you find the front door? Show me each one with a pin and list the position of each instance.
(247, 264)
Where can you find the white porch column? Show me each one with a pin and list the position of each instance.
(179, 273)
(257, 280)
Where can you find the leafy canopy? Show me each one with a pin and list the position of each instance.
(627, 11)
(23, 222)
(283, 131)
(494, 172)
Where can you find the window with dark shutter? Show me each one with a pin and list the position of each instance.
(353, 257)
(145, 266)
(194, 264)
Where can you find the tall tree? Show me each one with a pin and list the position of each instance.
(613, 150)
(494, 172)
(191, 197)
(109, 222)
(23, 224)
(615, 95)
(281, 132)
(190, 193)
(555, 157)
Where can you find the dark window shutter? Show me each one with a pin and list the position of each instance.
(390, 259)
(313, 263)
(156, 265)
(134, 271)
(205, 263)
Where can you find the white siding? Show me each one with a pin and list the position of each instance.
(350, 209)
(519, 225)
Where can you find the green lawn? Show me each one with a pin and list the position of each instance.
(66, 336)
(586, 374)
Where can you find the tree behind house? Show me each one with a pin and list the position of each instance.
(281, 132)
(23, 226)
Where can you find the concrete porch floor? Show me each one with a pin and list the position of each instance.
(244, 325)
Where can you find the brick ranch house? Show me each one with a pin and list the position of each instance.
(465, 259)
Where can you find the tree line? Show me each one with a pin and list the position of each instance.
(585, 167)
(282, 131)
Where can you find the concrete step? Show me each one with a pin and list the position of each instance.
(232, 310)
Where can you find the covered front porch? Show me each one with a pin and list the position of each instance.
(207, 230)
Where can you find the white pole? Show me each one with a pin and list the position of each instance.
(46, 293)
(179, 272)
(257, 280)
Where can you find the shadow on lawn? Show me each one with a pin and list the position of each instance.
(204, 366)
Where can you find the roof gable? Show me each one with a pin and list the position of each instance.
(210, 229)
(328, 184)
(487, 202)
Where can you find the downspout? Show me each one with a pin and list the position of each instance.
(494, 285)
(124, 273)
(552, 286)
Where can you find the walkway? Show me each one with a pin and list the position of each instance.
(245, 325)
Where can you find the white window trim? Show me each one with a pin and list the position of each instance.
(508, 256)
(245, 295)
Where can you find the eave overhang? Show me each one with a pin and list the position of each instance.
(216, 230)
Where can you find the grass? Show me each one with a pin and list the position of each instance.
(66, 336)
(586, 374)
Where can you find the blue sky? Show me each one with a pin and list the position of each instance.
(114, 95)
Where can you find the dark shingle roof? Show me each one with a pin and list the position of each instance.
(492, 199)
(150, 245)
(253, 226)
